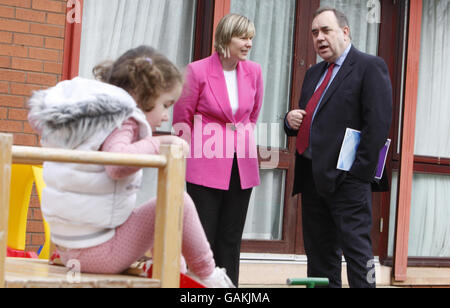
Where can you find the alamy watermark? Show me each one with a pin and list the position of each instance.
(374, 13)
(371, 274)
(214, 140)
(73, 275)
(74, 14)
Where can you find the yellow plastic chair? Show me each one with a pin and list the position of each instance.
(40, 185)
(22, 179)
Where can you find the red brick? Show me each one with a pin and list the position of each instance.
(7, 12)
(21, 3)
(11, 101)
(43, 54)
(30, 15)
(35, 227)
(12, 75)
(56, 19)
(18, 114)
(47, 30)
(13, 50)
(49, 5)
(5, 62)
(23, 89)
(52, 67)
(24, 139)
(14, 25)
(28, 40)
(5, 37)
(42, 79)
(11, 126)
(54, 43)
(35, 213)
(4, 87)
(27, 128)
(27, 64)
(37, 239)
(34, 200)
(27, 241)
(3, 113)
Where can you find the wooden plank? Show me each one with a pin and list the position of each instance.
(407, 143)
(36, 155)
(35, 273)
(169, 218)
(6, 141)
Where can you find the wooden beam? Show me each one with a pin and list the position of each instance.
(36, 155)
(169, 219)
(407, 142)
(72, 39)
(221, 8)
(5, 178)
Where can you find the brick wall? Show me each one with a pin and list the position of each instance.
(31, 53)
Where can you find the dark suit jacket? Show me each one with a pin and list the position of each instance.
(360, 97)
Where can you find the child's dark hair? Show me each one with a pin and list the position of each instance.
(142, 72)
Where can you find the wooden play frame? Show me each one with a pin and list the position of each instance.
(16, 272)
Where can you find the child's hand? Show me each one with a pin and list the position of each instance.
(169, 139)
(184, 145)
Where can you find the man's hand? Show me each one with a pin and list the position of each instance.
(295, 118)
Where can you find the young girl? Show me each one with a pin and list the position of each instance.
(91, 208)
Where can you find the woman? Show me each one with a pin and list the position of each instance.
(217, 113)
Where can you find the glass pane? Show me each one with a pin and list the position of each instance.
(429, 234)
(364, 21)
(433, 107)
(265, 213)
(273, 49)
(111, 27)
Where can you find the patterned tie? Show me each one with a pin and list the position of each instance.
(305, 128)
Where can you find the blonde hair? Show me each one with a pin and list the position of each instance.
(142, 72)
(232, 25)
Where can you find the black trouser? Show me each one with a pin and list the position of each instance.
(223, 213)
(340, 224)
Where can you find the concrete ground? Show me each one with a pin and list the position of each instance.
(273, 271)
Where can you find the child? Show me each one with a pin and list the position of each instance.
(91, 208)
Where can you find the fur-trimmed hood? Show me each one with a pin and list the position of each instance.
(70, 113)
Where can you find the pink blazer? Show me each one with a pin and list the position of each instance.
(203, 117)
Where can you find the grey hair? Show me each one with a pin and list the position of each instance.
(341, 17)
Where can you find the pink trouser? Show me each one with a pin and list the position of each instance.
(135, 237)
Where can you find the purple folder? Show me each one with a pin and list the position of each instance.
(382, 159)
(349, 148)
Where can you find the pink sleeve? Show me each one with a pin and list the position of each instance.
(258, 97)
(185, 108)
(125, 140)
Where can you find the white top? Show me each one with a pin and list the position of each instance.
(232, 87)
(81, 203)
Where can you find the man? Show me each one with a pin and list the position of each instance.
(350, 89)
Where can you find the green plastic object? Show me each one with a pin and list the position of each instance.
(309, 282)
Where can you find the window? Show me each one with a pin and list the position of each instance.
(272, 48)
(111, 27)
(364, 27)
(283, 47)
(429, 233)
